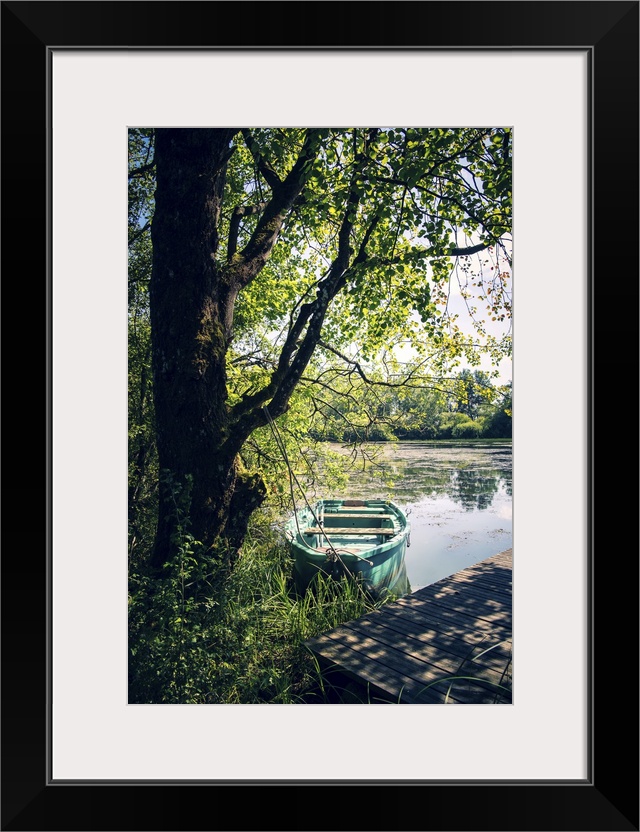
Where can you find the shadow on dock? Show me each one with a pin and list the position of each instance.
(449, 642)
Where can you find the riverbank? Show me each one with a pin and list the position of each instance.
(198, 638)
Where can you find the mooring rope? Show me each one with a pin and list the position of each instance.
(283, 450)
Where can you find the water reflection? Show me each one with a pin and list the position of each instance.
(458, 496)
(473, 490)
(470, 474)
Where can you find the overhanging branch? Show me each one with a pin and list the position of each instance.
(464, 252)
(142, 170)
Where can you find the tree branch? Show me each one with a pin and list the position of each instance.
(137, 234)
(461, 153)
(464, 252)
(271, 177)
(393, 180)
(142, 169)
(298, 347)
(234, 224)
(248, 263)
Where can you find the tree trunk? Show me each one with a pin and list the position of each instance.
(191, 308)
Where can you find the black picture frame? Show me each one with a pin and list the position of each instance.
(608, 798)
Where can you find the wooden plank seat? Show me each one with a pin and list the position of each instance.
(351, 530)
(348, 514)
(342, 550)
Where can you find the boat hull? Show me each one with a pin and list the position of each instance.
(365, 539)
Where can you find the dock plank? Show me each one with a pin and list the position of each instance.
(409, 649)
(454, 603)
(434, 623)
(389, 683)
(423, 669)
(419, 644)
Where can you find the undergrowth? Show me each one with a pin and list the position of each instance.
(202, 635)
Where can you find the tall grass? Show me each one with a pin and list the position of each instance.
(200, 636)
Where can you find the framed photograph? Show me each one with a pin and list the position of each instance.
(563, 76)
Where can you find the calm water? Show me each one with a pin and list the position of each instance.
(457, 496)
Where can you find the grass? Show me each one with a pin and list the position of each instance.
(197, 636)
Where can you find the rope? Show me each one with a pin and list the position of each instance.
(282, 448)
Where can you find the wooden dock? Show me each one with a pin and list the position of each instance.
(410, 650)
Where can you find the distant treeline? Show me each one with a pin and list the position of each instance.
(469, 408)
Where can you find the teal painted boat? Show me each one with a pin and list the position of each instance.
(365, 538)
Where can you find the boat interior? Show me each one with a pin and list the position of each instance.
(348, 526)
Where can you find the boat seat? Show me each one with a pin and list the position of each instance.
(351, 530)
(342, 550)
(348, 514)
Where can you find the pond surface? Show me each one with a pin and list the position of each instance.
(458, 496)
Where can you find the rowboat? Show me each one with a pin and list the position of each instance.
(364, 538)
